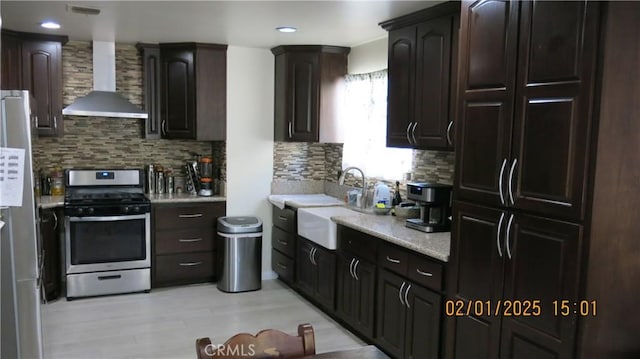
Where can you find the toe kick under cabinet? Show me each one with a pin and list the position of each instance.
(184, 242)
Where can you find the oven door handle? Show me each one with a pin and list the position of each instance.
(107, 218)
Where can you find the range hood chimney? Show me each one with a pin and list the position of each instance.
(103, 101)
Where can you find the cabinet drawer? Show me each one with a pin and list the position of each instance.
(357, 243)
(425, 272)
(184, 268)
(188, 216)
(185, 240)
(393, 258)
(285, 219)
(283, 241)
(283, 265)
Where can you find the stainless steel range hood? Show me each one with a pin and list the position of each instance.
(103, 101)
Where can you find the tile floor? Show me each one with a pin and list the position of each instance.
(166, 322)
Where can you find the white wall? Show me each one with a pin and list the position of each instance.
(368, 57)
(250, 81)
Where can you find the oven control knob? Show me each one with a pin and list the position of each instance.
(80, 210)
(125, 209)
(136, 209)
(90, 210)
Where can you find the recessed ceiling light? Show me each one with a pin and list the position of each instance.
(286, 29)
(50, 25)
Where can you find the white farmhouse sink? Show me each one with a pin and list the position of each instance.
(304, 200)
(315, 224)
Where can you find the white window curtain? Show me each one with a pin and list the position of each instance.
(365, 119)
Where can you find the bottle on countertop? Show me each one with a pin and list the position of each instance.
(151, 179)
(396, 199)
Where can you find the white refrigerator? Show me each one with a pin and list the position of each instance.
(21, 328)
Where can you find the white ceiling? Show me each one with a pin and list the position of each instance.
(240, 23)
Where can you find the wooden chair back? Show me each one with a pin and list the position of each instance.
(268, 343)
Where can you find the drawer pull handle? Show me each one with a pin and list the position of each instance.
(396, 261)
(107, 277)
(282, 218)
(426, 274)
(195, 215)
(284, 243)
(282, 266)
(190, 240)
(190, 264)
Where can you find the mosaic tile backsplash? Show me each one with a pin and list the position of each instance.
(111, 142)
(299, 161)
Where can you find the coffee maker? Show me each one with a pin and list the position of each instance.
(435, 206)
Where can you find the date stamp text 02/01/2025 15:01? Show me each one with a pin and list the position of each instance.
(518, 308)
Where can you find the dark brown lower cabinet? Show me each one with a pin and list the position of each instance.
(184, 242)
(527, 263)
(51, 221)
(408, 318)
(316, 273)
(355, 293)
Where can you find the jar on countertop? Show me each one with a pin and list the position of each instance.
(57, 181)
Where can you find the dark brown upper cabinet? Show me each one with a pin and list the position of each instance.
(308, 85)
(422, 77)
(33, 62)
(151, 78)
(524, 116)
(193, 91)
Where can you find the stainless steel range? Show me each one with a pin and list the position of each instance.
(107, 232)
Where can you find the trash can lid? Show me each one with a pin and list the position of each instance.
(239, 224)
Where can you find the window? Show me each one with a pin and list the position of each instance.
(365, 114)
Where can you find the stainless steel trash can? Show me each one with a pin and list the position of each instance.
(239, 254)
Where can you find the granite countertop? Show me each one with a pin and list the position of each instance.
(393, 230)
(46, 202)
(182, 198)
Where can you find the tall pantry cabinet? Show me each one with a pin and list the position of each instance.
(536, 117)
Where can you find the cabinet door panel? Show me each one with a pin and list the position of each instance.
(325, 286)
(423, 324)
(555, 34)
(11, 63)
(553, 106)
(489, 29)
(483, 146)
(402, 50)
(304, 268)
(432, 82)
(476, 269)
(42, 75)
(345, 290)
(488, 37)
(304, 87)
(179, 94)
(365, 293)
(544, 266)
(151, 77)
(391, 317)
